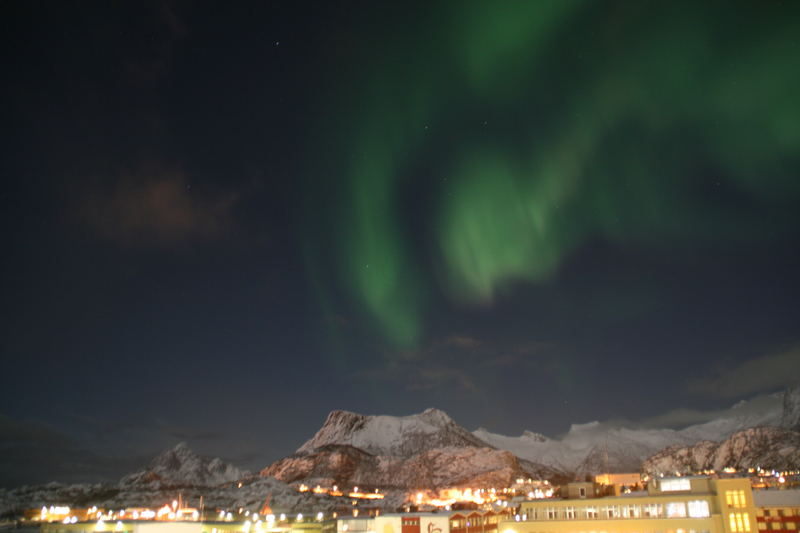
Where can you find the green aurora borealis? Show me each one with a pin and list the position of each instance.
(492, 141)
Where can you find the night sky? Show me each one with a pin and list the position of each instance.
(223, 220)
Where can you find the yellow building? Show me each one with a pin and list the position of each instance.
(670, 505)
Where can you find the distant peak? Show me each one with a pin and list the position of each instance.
(436, 414)
(183, 445)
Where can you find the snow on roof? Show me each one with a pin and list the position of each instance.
(776, 498)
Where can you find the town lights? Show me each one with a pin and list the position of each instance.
(299, 517)
(246, 526)
(100, 525)
(319, 515)
(118, 527)
(270, 518)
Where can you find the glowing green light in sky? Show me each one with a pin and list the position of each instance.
(600, 120)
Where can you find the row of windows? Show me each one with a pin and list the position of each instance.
(670, 485)
(692, 509)
(778, 512)
(777, 526)
(739, 522)
(735, 499)
(473, 522)
(411, 522)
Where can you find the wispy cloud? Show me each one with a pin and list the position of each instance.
(156, 207)
(761, 374)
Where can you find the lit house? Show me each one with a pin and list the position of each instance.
(670, 505)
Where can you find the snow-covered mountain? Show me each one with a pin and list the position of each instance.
(596, 446)
(181, 466)
(766, 447)
(790, 417)
(401, 436)
(348, 466)
(425, 450)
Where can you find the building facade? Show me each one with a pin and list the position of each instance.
(777, 511)
(670, 505)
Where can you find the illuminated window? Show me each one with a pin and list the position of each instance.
(699, 509)
(652, 510)
(676, 510)
(591, 512)
(675, 484)
(612, 511)
(739, 522)
(735, 499)
(791, 525)
(631, 511)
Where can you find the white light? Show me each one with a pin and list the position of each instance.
(319, 516)
(229, 517)
(246, 526)
(270, 518)
(119, 526)
(283, 517)
(73, 519)
(299, 517)
(100, 525)
(345, 527)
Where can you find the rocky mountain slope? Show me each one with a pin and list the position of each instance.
(347, 466)
(250, 495)
(595, 447)
(767, 447)
(426, 450)
(402, 436)
(181, 466)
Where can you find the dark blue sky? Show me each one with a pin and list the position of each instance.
(224, 221)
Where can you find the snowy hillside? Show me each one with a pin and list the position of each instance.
(391, 435)
(348, 466)
(765, 447)
(595, 446)
(181, 466)
(250, 496)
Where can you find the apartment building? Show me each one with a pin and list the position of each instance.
(670, 505)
